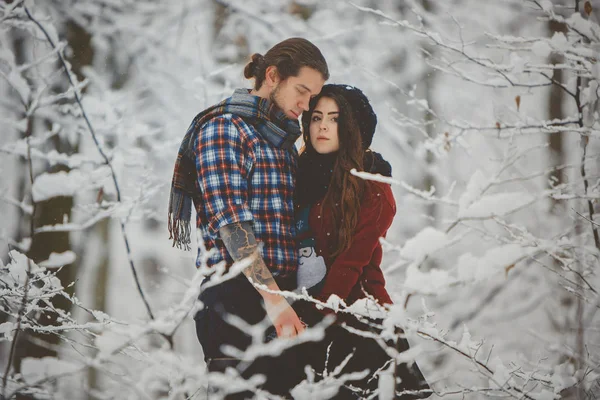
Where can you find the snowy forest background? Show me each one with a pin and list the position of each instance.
(488, 112)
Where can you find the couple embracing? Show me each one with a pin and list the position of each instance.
(303, 221)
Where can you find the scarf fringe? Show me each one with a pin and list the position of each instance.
(180, 232)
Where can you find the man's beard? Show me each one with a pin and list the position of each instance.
(273, 97)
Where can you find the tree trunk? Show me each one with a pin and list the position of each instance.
(101, 271)
(555, 110)
(54, 211)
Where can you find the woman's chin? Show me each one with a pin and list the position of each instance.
(324, 150)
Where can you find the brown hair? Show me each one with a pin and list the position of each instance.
(288, 56)
(345, 190)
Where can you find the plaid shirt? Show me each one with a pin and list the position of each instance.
(242, 177)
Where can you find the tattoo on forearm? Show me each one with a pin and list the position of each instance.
(240, 242)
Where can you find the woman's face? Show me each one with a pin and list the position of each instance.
(324, 126)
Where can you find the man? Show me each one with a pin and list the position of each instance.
(237, 164)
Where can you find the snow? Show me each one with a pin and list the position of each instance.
(424, 243)
(467, 345)
(517, 63)
(18, 267)
(541, 49)
(367, 307)
(327, 387)
(475, 187)
(493, 262)
(386, 386)
(546, 5)
(6, 329)
(322, 390)
(334, 302)
(563, 376)
(36, 369)
(71, 161)
(435, 281)
(469, 268)
(373, 177)
(559, 42)
(502, 375)
(276, 346)
(100, 316)
(49, 185)
(56, 260)
(117, 338)
(16, 80)
(545, 394)
(585, 26)
(499, 204)
(396, 316)
(408, 356)
(420, 103)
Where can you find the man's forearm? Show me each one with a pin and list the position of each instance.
(241, 243)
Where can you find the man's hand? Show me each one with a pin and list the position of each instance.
(240, 243)
(282, 315)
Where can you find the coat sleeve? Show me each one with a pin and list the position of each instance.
(376, 216)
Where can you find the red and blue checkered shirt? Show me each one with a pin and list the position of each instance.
(242, 177)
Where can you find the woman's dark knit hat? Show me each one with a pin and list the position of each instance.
(365, 116)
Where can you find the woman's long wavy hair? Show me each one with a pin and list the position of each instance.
(345, 190)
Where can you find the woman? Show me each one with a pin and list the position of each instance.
(340, 219)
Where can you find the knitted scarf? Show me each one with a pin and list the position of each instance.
(270, 122)
(315, 171)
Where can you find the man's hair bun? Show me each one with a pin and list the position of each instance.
(253, 67)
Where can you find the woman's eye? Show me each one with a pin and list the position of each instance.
(334, 119)
(315, 119)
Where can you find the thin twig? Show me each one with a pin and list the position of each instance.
(477, 362)
(584, 217)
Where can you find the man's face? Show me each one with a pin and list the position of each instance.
(293, 94)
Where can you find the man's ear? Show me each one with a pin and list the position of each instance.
(272, 76)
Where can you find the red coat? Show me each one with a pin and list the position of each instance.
(360, 266)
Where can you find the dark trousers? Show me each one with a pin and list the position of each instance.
(238, 297)
(367, 354)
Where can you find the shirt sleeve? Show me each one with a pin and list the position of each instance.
(223, 163)
(376, 216)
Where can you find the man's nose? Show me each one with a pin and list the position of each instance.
(304, 102)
